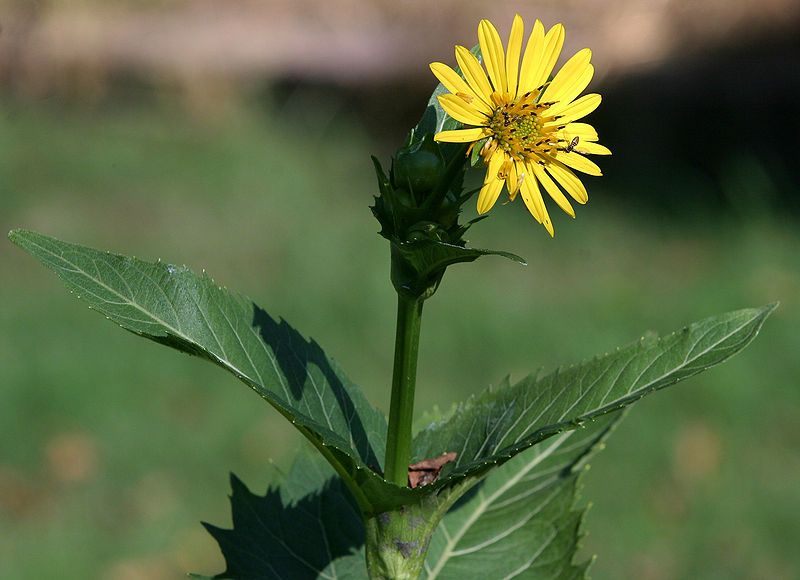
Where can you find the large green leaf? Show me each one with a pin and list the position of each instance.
(307, 527)
(173, 306)
(521, 521)
(492, 427)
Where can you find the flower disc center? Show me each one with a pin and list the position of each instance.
(518, 128)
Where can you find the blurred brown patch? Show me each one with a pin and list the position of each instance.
(18, 494)
(194, 549)
(696, 453)
(141, 569)
(80, 47)
(72, 457)
(657, 563)
(153, 497)
(668, 501)
(186, 405)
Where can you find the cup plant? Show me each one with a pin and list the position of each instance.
(489, 489)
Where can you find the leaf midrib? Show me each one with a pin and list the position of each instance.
(610, 405)
(483, 506)
(127, 301)
(154, 319)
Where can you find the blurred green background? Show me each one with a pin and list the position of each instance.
(112, 448)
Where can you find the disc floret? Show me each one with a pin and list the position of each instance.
(518, 128)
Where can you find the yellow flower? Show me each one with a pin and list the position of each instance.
(527, 124)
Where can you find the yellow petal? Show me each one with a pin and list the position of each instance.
(589, 148)
(582, 130)
(493, 185)
(579, 162)
(461, 135)
(473, 72)
(553, 43)
(534, 202)
(453, 82)
(512, 54)
(512, 180)
(578, 109)
(533, 54)
(552, 189)
(569, 94)
(531, 196)
(493, 56)
(569, 181)
(571, 79)
(495, 165)
(461, 111)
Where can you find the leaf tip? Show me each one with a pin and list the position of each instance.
(17, 234)
(234, 481)
(760, 315)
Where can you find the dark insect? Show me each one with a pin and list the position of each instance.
(572, 144)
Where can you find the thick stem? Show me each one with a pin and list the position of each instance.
(404, 378)
(397, 541)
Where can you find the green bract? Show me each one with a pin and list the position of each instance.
(419, 169)
(424, 235)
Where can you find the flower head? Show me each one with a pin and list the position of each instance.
(524, 124)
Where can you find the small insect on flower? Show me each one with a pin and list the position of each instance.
(572, 144)
(527, 122)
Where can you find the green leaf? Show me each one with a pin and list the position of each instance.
(307, 527)
(475, 158)
(175, 307)
(496, 425)
(521, 521)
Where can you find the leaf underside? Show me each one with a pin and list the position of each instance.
(175, 307)
(521, 521)
(492, 427)
(306, 528)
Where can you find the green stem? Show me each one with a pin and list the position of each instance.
(404, 378)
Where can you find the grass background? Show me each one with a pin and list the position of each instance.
(113, 448)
